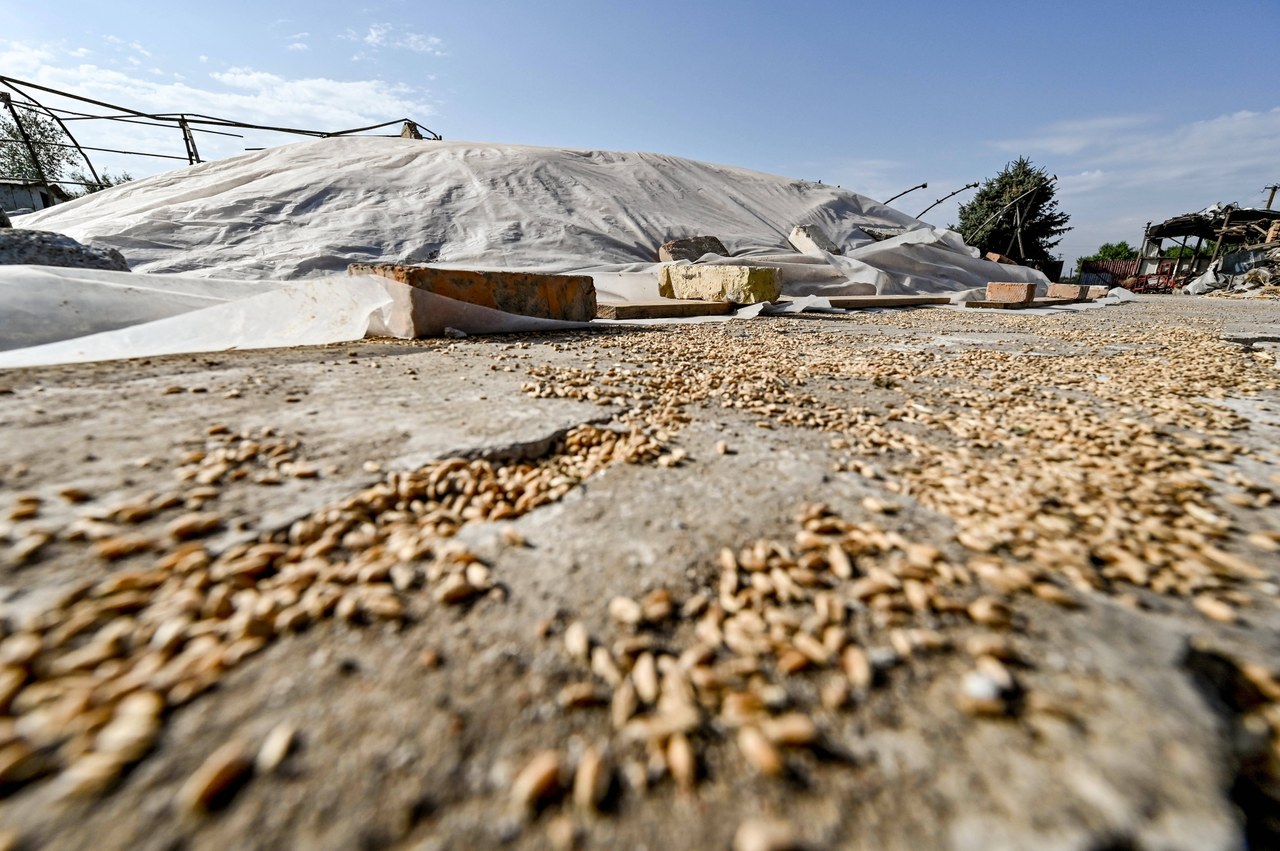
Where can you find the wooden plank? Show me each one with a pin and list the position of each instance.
(1011, 305)
(667, 308)
(857, 302)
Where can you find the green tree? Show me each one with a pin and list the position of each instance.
(1115, 251)
(85, 184)
(1015, 213)
(1109, 251)
(47, 138)
(1206, 250)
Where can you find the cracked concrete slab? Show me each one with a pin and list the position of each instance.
(1116, 745)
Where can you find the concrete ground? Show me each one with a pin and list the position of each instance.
(1057, 629)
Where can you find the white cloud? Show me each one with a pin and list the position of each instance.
(1117, 174)
(297, 46)
(243, 93)
(204, 58)
(377, 35)
(381, 36)
(422, 44)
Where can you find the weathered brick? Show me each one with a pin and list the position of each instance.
(811, 239)
(738, 284)
(1075, 291)
(1098, 292)
(1010, 293)
(568, 297)
(691, 248)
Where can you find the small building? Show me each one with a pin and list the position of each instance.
(29, 195)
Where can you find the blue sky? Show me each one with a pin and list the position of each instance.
(1144, 110)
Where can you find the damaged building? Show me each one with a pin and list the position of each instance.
(1228, 248)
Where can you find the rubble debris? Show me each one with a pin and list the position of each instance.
(571, 298)
(43, 248)
(691, 248)
(812, 239)
(738, 284)
(1253, 272)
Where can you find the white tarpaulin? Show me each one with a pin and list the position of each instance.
(237, 231)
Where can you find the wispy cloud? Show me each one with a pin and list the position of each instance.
(297, 46)
(382, 36)
(1066, 138)
(422, 44)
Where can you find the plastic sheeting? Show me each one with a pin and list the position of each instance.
(312, 208)
(111, 315)
(241, 232)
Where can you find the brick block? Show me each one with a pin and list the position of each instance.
(568, 297)
(1098, 292)
(1072, 291)
(738, 284)
(1000, 258)
(811, 239)
(1010, 293)
(691, 248)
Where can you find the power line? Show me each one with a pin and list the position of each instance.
(188, 124)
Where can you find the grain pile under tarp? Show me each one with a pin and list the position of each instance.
(308, 210)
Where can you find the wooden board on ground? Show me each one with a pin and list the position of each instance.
(1010, 305)
(857, 302)
(666, 308)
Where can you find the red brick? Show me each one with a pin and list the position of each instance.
(1068, 291)
(568, 297)
(1010, 293)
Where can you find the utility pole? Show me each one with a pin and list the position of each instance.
(1271, 190)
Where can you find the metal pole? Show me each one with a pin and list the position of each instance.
(980, 229)
(904, 192)
(973, 185)
(31, 148)
(188, 138)
(62, 124)
(1217, 249)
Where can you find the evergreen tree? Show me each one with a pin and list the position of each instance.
(1020, 194)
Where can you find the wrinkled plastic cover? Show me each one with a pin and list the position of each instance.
(112, 315)
(250, 252)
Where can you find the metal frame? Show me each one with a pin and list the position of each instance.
(188, 124)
